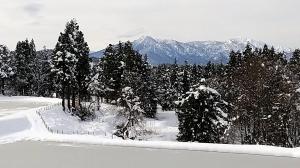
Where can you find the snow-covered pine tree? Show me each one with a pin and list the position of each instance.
(147, 91)
(33, 64)
(70, 63)
(97, 84)
(263, 99)
(24, 62)
(202, 116)
(83, 68)
(6, 69)
(112, 66)
(294, 74)
(294, 64)
(196, 74)
(167, 85)
(44, 84)
(131, 118)
(209, 70)
(275, 100)
(185, 81)
(133, 65)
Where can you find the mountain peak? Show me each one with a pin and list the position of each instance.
(145, 39)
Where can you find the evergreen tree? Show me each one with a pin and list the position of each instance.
(202, 116)
(165, 95)
(6, 70)
(44, 85)
(83, 68)
(147, 92)
(294, 64)
(97, 85)
(65, 60)
(112, 67)
(185, 83)
(132, 123)
(260, 93)
(24, 63)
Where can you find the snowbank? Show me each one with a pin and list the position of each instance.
(14, 125)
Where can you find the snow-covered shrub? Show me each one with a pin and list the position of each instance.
(130, 124)
(85, 111)
(202, 116)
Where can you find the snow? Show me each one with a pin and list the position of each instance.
(18, 124)
(164, 128)
(27, 125)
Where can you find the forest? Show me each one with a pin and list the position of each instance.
(252, 99)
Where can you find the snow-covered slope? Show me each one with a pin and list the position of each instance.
(197, 52)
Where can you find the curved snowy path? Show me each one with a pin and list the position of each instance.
(18, 118)
(49, 155)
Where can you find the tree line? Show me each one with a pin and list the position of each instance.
(253, 99)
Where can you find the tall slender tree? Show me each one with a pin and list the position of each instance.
(24, 62)
(70, 56)
(6, 69)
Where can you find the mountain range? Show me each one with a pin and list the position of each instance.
(161, 51)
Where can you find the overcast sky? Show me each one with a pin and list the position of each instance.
(108, 21)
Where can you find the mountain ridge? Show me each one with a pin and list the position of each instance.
(161, 51)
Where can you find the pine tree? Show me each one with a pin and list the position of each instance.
(294, 64)
(64, 61)
(165, 94)
(6, 70)
(83, 68)
(112, 66)
(44, 84)
(196, 74)
(185, 82)
(33, 65)
(260, 93)
(97, 84)
(24, 63)
(202, 116)
(147, 91)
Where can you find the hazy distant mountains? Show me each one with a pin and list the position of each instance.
(199, 52)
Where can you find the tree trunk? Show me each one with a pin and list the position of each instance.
(69, 98)
(63, 98)
(73, 99)
(2, 86)
(98, 103)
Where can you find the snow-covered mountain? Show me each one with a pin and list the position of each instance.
(198, 52)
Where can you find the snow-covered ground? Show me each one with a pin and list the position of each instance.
(28, 125)
(10, 105)
(163, 128)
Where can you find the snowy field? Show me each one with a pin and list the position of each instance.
(27, 125)
(10, 105)
(163, 128)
